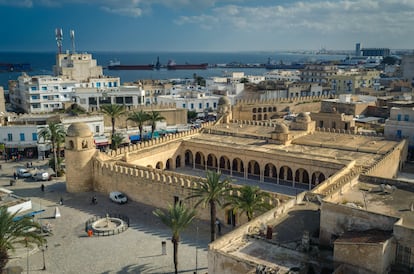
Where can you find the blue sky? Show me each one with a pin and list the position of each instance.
(206, 25)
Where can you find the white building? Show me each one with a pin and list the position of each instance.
(22, 135)
(400, 124)
(193, 101)
(283, 75)
(46, 93)
(91, 99)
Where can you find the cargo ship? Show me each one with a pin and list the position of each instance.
(173, 66)
(116, 65)
(8, 67)
(273, 65)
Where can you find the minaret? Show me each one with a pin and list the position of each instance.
(79, 151)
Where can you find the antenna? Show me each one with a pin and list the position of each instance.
(59, 39)
(72, 38)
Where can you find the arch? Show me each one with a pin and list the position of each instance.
(302, 176)
(224, 165)
(259, 110)
(274, 109)
(212, 161)
(285, 176)
(264, 116)
(159, 165)
(168, 164)
(238, 167)
(178, 161)
(270, 173)
(254, 110)
(254, 117)
(253, 170)
(259, 117)
(188, 158)
(317, 178)
(199, 160)
(71, 145)
(269, 109)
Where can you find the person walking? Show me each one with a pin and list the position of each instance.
(61, 201)
(218, 226)
(42, 187)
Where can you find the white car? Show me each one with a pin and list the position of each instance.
(118, 197)
(23, 173)
(41, 176)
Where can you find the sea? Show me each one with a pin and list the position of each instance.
(42, 63)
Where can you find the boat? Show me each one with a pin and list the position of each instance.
(273, 65)
(8, 67)
(116, 65)
(173, 66)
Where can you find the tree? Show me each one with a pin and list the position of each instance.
(210, 192)
(177, 218)
(113, 111)
(153, 118)
(116, 140)
(55, 133)
(191, 115)
(14, 232)
(139, 118)
(250, 200)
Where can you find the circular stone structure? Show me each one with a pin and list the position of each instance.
(78, 129)
(107, 226)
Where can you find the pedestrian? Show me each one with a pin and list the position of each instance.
(218, 226)
(31, 164)
(42, 187)
(61, 201)
(15, 176)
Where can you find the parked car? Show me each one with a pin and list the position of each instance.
(41, 176)
(23, 173)
(118, 197)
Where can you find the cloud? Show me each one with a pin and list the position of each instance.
(370, 16)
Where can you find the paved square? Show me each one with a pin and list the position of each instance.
(70, 250)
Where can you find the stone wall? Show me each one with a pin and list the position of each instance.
(367, 257)
(335, 221)
(220, 262)
(389, 165)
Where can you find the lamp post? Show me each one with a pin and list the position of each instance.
(43, 252)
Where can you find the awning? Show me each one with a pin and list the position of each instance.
(134, 138)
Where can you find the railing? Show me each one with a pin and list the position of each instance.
(110, 232)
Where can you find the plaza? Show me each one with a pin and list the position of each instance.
(70, 250)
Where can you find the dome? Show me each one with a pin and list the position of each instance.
(303, 117)
(79, 129)
(224, 101)
(281, 128)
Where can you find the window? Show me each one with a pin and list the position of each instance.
(192, 106)
(200, 105)
(403, 255)
(183, 105)
(98, 84)
(34, 136)
(97, 129)
(215, 105)
(33, 88)
(9, 137)
(21, 136)
(399, 133)
(406, 117)
(44, 88)
(399, 117)
(207, 105)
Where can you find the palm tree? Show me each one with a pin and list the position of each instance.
(14, 232)
(210, 192)
(139, 118)
(55, 133)
(250, 200)
(113, 111)
(177, 218)
(153, 118)
(116, 140)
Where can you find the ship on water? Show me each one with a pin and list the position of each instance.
(271, 64)
(116, 65)
(8, 67)
(173, 66)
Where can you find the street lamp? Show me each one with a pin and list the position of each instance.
(44, 248)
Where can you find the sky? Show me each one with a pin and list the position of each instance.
(206, 25)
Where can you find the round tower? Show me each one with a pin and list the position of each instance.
(79, 150)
